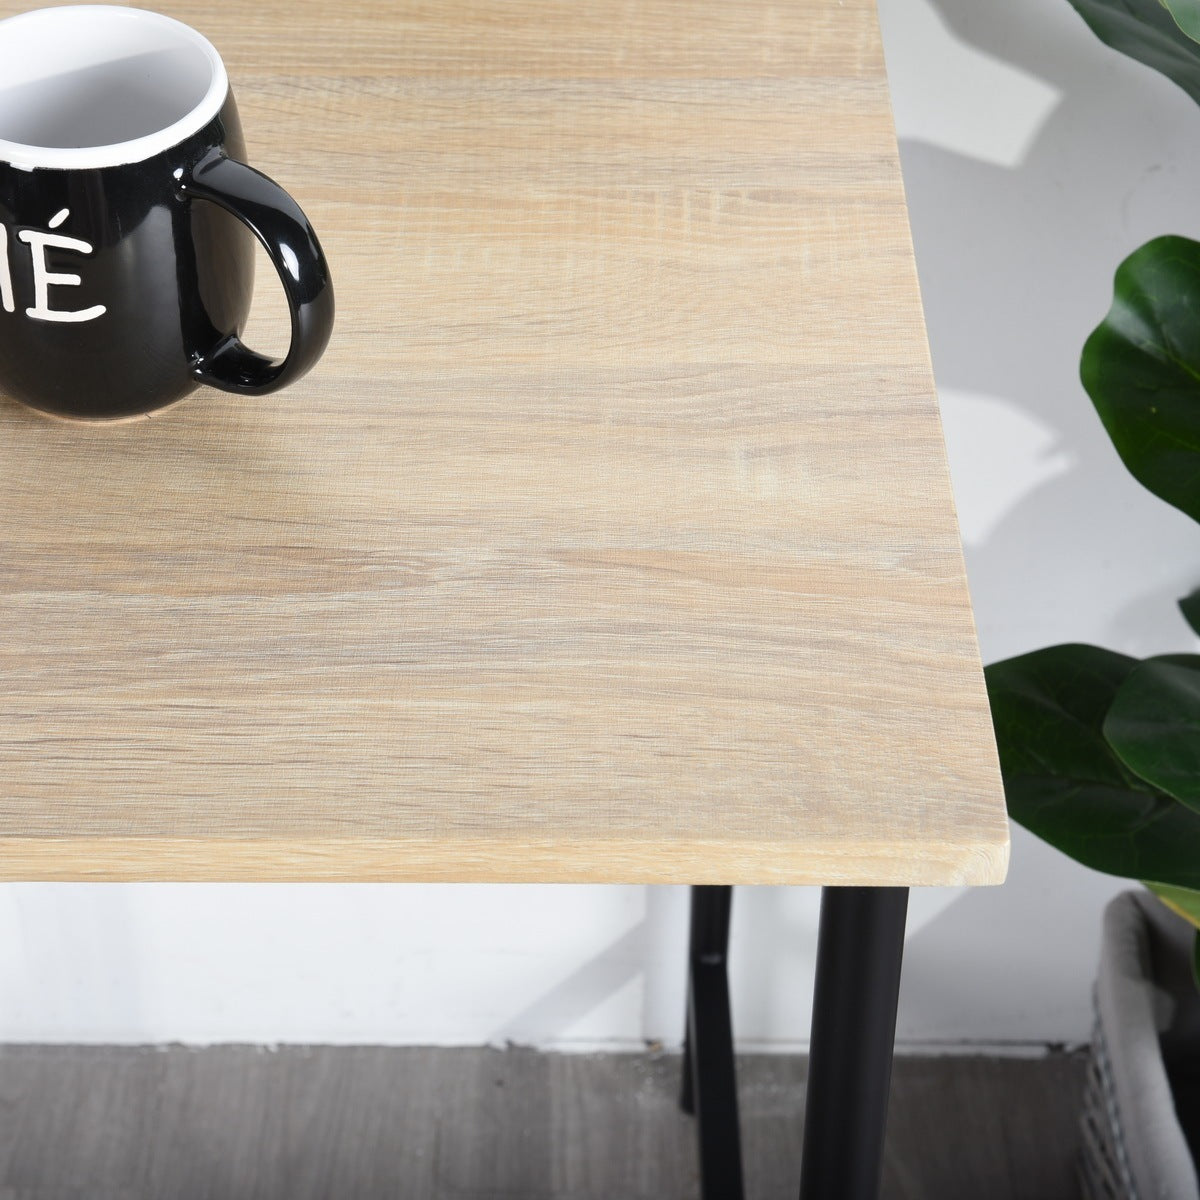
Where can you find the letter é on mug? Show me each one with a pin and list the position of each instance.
(43, 277)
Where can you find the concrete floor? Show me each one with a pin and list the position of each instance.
(332, 1123)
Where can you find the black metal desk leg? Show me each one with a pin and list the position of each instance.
(859, 951)
(709, 1081)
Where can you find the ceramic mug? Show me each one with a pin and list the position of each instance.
(126, 220)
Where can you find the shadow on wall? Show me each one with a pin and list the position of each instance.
(1016, 262)
(1016, 267)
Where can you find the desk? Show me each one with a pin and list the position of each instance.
(612, 540)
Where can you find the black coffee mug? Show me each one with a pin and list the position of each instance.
(127, 218)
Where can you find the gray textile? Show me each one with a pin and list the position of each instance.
(1133, 1146)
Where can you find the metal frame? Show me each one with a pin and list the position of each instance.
(709, 1088)
(859, 952)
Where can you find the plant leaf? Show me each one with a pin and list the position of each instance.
(1183, 901)
(1141, 367)
(1154, 725)
(1048, 708)
(1190, 607)
(1063, 781)
(1186, 14)
(1147, 31)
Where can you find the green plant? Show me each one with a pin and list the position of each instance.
(1100, 752)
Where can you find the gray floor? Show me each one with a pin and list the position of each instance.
(240, 1123)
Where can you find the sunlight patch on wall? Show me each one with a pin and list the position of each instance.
(998, 455)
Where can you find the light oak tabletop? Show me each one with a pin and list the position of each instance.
(612, 539)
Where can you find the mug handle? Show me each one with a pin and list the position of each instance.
(276, 220)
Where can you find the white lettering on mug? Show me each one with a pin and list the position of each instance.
(43, 277)
(6, 292)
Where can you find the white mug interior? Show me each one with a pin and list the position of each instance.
(97, 85)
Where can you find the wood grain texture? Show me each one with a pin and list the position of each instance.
(611, 540)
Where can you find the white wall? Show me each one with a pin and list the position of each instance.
(1034, 159)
